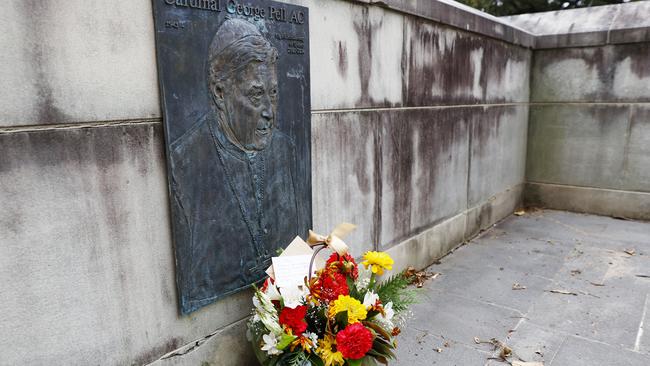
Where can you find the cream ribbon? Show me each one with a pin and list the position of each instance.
(334, 240)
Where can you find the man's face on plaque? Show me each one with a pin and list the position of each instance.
(251, 105)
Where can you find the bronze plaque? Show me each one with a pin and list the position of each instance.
(234, 79)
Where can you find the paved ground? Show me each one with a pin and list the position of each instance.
(600, 323)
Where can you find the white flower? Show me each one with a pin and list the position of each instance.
(312, 336)
(364, 278)
(386, 320)
(294, 296)
(370, 299)
(388, 310)
(265, 311)
(271, 323)
(363, 283)
(270, 345)
(272, 292)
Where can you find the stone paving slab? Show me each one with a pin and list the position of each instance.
(600, 322)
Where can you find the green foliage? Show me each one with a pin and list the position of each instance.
(341, 319)
(354, 362)
(395, 289)
(297, 359)
(315, 360)
(354, 292)
(512, 7)
(285, 341)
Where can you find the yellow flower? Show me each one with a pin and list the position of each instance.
(378, 262)
(356, 310)
(327, 353)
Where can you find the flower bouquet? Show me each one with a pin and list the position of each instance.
(340, 315)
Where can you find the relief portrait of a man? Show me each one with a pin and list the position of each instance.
(233, 172)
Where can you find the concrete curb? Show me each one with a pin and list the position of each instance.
(623, 204)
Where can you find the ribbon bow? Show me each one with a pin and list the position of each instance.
(334, 240)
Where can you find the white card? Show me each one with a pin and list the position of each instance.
(291, 270)
(299, 247)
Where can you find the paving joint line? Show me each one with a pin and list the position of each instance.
(639, 334)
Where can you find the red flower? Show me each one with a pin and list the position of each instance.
(344, 264)
(330, 285)
(294, 319)
(354, 341)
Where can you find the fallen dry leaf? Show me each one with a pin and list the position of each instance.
(563, 292)
(576, 272)
(630, 251)
(521, 212)
(518, 286)
(419, 277)
(597, 284)
(505, 352)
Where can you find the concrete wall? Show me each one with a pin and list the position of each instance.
(419, 136)
(589, 135)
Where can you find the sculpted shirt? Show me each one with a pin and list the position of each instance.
(234, 208)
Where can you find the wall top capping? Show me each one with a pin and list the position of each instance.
(595, 26)
(459, 16)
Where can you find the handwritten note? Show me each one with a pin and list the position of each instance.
(290, 270)
(298, 247)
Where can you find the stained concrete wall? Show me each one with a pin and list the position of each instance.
(589, 135)
(419, 121)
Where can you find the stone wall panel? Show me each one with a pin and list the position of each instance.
(345, 152)
(615, 73)
(86, 258)
(424, 166)
(445, 66)
(77, 61)
(498, 138)
(601, 146)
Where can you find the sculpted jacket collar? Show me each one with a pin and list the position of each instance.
(221, 140)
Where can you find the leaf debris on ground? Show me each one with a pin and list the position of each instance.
(563, 292)
(505, 352)
(630, 252)
(518, 286)
(419, 277)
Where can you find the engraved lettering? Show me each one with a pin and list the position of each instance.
(297, 17)
(246, 10)
(277, 14)
(212, 5)
(231, 7)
